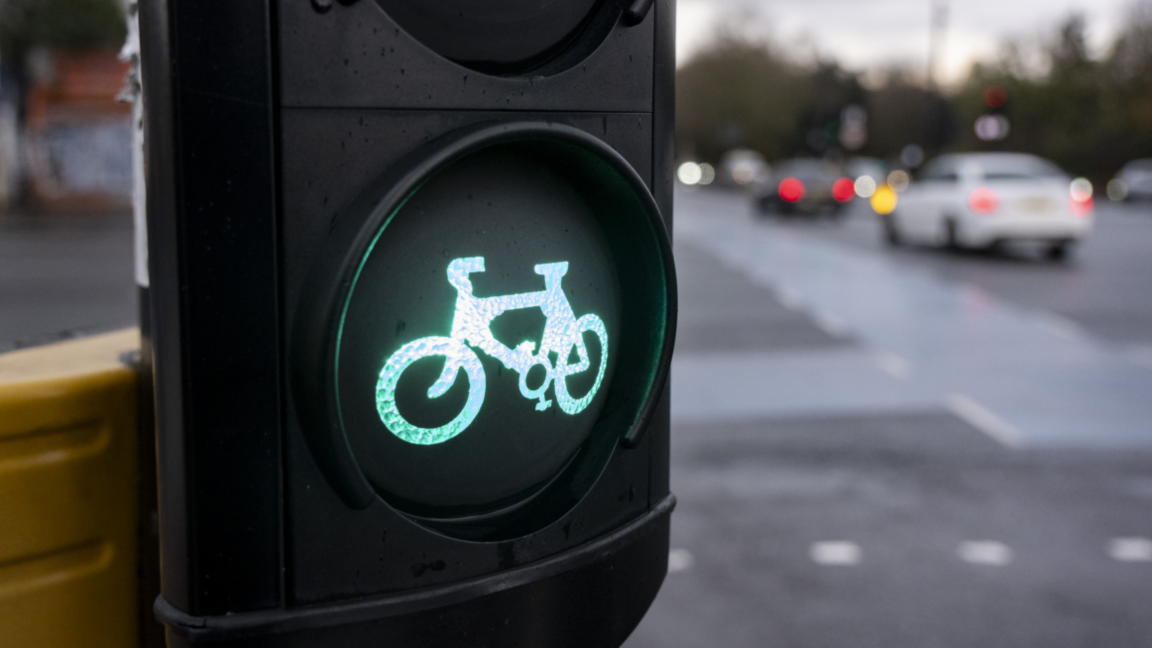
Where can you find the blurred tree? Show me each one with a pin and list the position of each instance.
(830, 90)
(902, 112)
(1129, 67)
(1090, 115)
(740, 91)
(1084, 114)
(64, 24)
(744, 91)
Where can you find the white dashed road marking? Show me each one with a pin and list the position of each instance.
(985, 552)
(788, 298)
(1130, 549)
(680, 560)
(893, 364)
(984, 420)
(1060, 326)
(1141, 355)
(835, 553)
(830, 325)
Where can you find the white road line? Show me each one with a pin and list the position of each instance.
(680, 560)
(1141, 355)
(975, 292)
(1130, 549)
(838, 552)
(893, 364)
(1060, 326)
(984, 420)
(830, 325)
(789, 298)
(985, 552)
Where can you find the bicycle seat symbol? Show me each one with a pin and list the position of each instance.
(563, 333)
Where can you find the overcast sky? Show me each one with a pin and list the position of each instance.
(865, 34)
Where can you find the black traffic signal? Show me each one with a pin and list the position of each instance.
(413, 306)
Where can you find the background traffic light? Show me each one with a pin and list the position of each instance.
(413, 311)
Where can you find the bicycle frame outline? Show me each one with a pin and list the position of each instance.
(471, 325)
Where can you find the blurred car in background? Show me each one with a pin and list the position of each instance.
(805, 185)
(741, 168)
(1133, 182)
(983, 199)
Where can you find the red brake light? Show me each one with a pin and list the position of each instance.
(790, 190)
(1082, 207)
(983, 200)
(1081, 193)
(843, 190)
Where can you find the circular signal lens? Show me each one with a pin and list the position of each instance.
(790, 190)
(865, 186)
(455, 346)
(995, 96)
(843, 190)
(507, 37)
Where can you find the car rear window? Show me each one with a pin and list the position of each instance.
(807, 170)
(1018, 168)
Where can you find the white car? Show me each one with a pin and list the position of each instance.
(982, 199)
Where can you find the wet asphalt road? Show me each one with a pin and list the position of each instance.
(872, 447)
(911, 447)
(1104, 286)
(64, 276)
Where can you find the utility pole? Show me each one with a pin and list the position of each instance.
(937, 28)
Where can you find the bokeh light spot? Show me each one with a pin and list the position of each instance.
(843, 189)
(884, 200)
(791, 190)
(689, 173)
(995, 96)
(898, 180)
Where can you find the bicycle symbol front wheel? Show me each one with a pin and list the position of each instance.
(456, 355)
(590, 324)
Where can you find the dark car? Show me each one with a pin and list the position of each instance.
(805, 185)
(1133, 182)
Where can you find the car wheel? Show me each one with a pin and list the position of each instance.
(1058, 251)
(951, 237)
(892, 235)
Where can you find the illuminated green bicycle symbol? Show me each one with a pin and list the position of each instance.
(470, 325)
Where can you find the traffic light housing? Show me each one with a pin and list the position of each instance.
(413, 308)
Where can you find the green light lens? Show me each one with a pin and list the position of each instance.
(471, 325)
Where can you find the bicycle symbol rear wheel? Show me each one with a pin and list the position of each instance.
(456, 355)
(588, 323)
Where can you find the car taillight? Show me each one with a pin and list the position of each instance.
(983, 200)
(843, 190)
(790, 190)
(1080, 193)
(1082, 207)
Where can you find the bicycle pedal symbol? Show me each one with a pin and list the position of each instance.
(471, 322)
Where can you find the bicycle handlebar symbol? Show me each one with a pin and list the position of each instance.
(471, 326)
